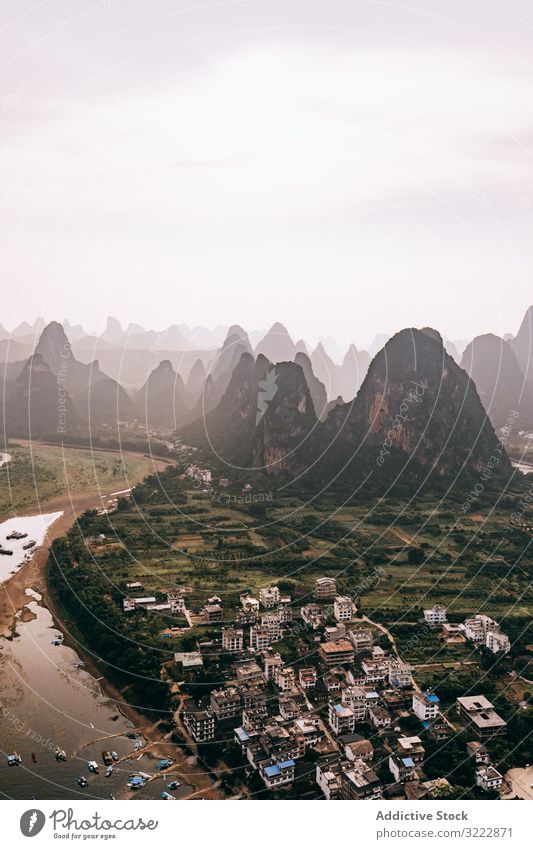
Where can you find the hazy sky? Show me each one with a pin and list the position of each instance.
(344, 167)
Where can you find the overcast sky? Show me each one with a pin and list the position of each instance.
(345, 167)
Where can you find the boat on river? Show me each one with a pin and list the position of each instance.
(16, 535)
(6, 551)
(30, 544)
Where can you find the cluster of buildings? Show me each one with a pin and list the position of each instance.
(479, 629)
(346, 698)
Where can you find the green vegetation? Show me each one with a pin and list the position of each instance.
(39, 472)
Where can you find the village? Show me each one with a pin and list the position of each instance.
(318, 696)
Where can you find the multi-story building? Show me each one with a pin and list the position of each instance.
(479, 716)
(249, 673)
(357, 748)
(402, 768)
(359, 781)
(376, 669)
(285, 678)
(225, 703)
(232, 639)
(260, 637)
(341, 718)
(269, 597)
(271, 663)
(213, 613)
(400, 675)
(344, 609)
(425, 705)
(307, 676)
(328, 776)
(477, 628)
(200, 724)
(248, 603)
(435, 615)
(284, 610)
(379, 716)
(488, 778)
(335, 654)
(355, 698)
(411, 747)
(325, 589)
(275, 773)
(362, 640)
(272, 623)
(497, 641)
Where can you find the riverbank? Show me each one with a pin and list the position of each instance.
(14, 601)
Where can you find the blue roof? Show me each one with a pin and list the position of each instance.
(286, 764)
(408, 762)
(273, 770)
(431, 697)
(242, 734)
(425, 723)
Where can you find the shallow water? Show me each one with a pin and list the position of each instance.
(35, 527)
(47, 702)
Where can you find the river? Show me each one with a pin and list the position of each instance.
(49, 701)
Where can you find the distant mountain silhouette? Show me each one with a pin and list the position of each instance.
(522, 345)
(162, 401)
(494, 368)
(277, 345)
(33, 405)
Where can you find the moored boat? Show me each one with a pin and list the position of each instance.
(30, 544)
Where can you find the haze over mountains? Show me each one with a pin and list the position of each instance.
(323, 414)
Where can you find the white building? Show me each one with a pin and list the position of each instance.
(344, 609)
(425, 706)
(285, 678)
(400, 675)
(497, 641)
(488, 778)
(269, 597)
(341, 718)
(435, 615)
(271, 663)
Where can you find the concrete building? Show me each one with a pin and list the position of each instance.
(232, 639)
(400, 675)
(359, 782)
(411, 747)
(260, 638)
(285, 678)
(344, 609)
(479, 716)
(497, 641)
(341, 718)
(488, 778)
(200, 724)
(362, 639)
(435, 615)
(325, 589)
(275, 773)
(225, 703)
(271, 662)
(402, 768)
(335, 654)
(425, 706)
(269, 597)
